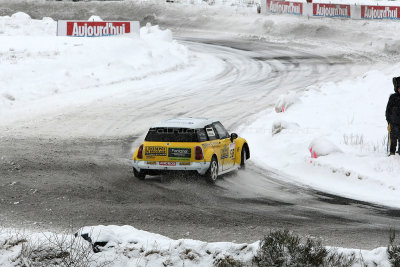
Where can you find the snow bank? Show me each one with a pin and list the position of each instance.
(95, 18)
(347, 117)
(153, 33)
(285, 101)
(280, 125)
(127, 246)
(134, 246)
(392, 47)
(35, 64)
(21, 24)
(322, 147)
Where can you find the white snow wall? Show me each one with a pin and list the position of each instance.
(331, 10)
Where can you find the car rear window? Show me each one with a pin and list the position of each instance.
(176, 135)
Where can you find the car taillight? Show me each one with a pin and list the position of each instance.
(140, 152)
(198, 153)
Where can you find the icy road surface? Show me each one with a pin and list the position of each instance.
(72, 167)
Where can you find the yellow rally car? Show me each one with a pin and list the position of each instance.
(190, 144)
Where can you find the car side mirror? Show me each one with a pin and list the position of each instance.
(233, 136)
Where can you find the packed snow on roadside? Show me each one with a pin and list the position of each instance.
(252, 3)
(337, 139)
(36, 64)
(356, 2)
(127, 246)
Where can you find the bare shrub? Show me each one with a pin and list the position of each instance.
(15, 239)
(393, 250)
(357, 140)
(283, 248)
(353, 139)
(228, 261)
(189, 254)
(51, 249)
(381, 145)
(151, 252)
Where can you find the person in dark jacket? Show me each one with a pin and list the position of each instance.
(393, 116)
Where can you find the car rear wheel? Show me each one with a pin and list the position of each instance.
(212, 173)
(243, 158)
(139, 175)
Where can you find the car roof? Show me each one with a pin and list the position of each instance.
(191, 123)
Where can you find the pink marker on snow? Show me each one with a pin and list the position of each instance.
(283, 109)
(313, 154)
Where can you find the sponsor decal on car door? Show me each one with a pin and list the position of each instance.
(232, 147)
(215, 143)
(228, 154)
(227, 149)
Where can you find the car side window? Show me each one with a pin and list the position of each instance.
(201, 135)
(210, 132)
(222, 132)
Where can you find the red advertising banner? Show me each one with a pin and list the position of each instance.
(294, 8)
(331, 10)
(89, 29)
(96, 28)
(380, 12)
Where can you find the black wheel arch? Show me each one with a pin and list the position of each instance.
(247, 149)
(216, 158)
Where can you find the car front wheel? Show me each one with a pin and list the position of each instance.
(212, 173)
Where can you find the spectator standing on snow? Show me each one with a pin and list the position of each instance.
(393, 116)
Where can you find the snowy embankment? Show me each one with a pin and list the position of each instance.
(127, 246)
(35, 64)
(332, 137)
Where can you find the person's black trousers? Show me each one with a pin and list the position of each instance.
(394, 137)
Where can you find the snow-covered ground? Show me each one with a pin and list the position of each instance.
(36, 65)
(250, 3)
(348, 116)
(127, 246)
